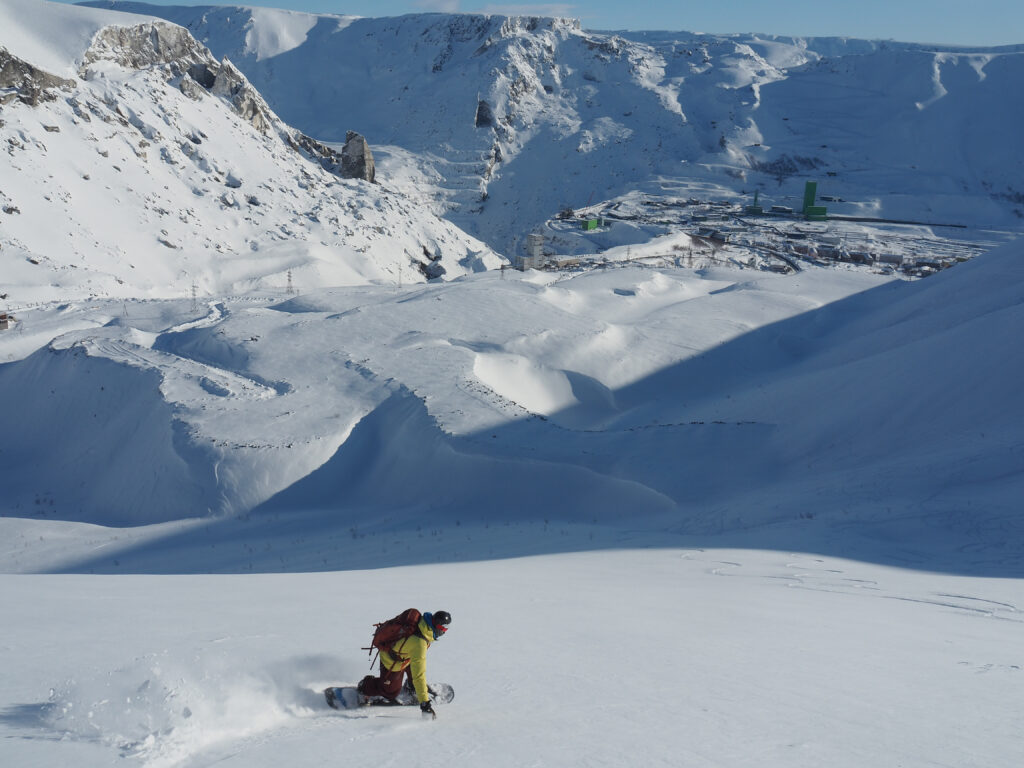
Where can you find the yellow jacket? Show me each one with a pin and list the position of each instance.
(411, 652)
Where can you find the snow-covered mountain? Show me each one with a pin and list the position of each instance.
(697, 401)
(240, 425)
(136, 164)
(512, 119)
(139, 166)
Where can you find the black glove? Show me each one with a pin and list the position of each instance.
(427, 709)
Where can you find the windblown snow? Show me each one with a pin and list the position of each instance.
(708, 486)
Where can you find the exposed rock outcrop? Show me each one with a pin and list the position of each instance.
(166, 46)
(356, 164)
(232, 85)
(30, 85)
(161, 44)
(356, 158)
(329, 159)
(147, 45)
(484, 115)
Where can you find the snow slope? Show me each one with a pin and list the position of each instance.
(516, 118)
(52, 36)
(134, 180)
(778, 659)
(699, 401)
(698, 515)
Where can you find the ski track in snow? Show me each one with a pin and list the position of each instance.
(163, 710)
(232, 698)
(812, 574)
(779, 513)
(179, 373)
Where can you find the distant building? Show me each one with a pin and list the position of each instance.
(6, 321)
(890, 258)
(535, 245)
(534, 257)
(713, 234)
(811, 211)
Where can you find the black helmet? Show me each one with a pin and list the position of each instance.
(440, 621)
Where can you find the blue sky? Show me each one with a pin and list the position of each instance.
(967, 22)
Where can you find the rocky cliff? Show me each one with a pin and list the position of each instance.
(357, 159)
(26, 83)
(518, 118)
(157, 169)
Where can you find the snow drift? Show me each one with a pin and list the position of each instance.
(369, 409)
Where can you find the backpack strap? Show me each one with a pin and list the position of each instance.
(373, 656)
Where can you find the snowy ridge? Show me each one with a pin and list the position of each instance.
(833, 396)
(520, 117)
(538, 374)
(139, 179)
(55, 37)
(240, 426)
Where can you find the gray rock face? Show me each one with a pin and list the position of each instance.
(160, 44)
(484, 115)
(231, 84)
(147, 45)
(20, 80)
(329, 159)
(173, 49)
(356, 158)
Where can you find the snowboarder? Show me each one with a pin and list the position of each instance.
(408, 657)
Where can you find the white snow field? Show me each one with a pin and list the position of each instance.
(683, 513)
(665, 656)
(699, 537)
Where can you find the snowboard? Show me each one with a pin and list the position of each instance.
(347, 697)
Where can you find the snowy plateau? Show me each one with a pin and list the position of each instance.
(707, 482)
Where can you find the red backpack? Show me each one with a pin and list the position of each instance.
(391, 631)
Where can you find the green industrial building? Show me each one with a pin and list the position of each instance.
(811, 211)
(755, 209)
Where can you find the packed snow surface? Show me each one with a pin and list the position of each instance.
(725, 521)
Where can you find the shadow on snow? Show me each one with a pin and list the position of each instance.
(882, 427)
